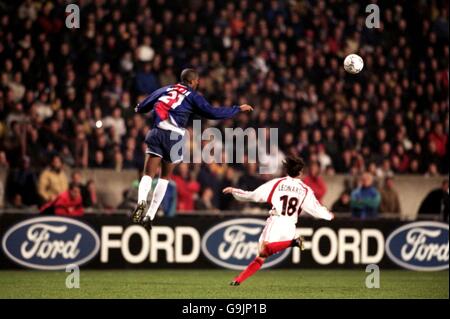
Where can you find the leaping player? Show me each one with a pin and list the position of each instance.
(173, 105)
(289, 196)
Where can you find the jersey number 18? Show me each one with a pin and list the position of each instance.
(289, 205)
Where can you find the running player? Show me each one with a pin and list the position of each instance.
(173, 105)
(289, 196)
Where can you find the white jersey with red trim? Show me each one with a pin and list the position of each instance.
(288, 197)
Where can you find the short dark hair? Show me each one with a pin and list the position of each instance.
(187, 75)
(293, 165)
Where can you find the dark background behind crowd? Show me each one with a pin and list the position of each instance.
(71, 92)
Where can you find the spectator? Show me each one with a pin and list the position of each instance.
(146, 81)
(342, 204)
(53, 180)
(365, 199)
(248, 180)
(436, 202)
(324, 159)
(28, 10)
(88, 191)
(228, 179)
(66, 156)
(187, 187)
(117, 122)
(440, 139)
(390, 202)
(14, 143)
(208, 178)
(89, 195)
(130, 196)
(3, 161)
(432, 170)
(22, 183)
(205, 202)
(315, 181)
(68, 203)
(99, 160)
(77, 179)
(16, 203)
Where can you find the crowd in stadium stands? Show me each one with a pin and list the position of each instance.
(72, 92)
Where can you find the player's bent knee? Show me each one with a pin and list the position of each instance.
(263, 252)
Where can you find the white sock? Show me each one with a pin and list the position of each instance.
(158, 195)
(145, 185)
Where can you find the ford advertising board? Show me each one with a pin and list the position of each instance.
(419, 246)
(50, 243)
(111, 241)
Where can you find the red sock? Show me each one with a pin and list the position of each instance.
(273, 248)
(250, 270)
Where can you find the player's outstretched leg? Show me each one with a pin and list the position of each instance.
(267, 249)
(253, 267)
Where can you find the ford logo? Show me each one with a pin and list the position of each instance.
(234, 244)
(419, 246)
(50, 243)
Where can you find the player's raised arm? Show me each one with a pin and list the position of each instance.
(259, 195)
(203, 108)
(312, 206)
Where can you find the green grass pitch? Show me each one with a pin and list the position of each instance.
(190, 284)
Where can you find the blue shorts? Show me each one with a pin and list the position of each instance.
(159, 143)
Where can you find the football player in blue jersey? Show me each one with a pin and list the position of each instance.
(172, 106)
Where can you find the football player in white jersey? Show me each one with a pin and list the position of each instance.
(289, 196)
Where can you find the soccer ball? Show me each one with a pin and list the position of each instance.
(353, 63)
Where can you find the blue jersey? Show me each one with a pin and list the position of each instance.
(174, 104)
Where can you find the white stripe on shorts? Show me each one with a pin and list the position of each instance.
(150, 152)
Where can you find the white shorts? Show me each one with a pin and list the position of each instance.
(278, 228)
